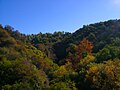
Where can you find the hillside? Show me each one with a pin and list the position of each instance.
(100, 34)
(88, 59)
(22, 66)
(55, 45)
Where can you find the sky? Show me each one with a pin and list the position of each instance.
(34, 16)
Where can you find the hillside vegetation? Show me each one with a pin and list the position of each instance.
(88, 59)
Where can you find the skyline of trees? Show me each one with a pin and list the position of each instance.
(88, 59)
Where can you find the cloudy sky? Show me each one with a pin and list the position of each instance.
(34, 16)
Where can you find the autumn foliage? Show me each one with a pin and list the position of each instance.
(61, 61)
(84, 47)
(82, 50)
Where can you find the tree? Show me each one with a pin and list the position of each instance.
(104, 76)
(81, 51)
(108, 52)
(9, 28)
(84, 48)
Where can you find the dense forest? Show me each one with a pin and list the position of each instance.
(88, 59)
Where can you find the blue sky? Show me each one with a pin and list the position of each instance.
(34, 16)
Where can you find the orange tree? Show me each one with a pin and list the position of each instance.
(82, 50)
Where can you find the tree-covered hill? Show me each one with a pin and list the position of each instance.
(100, 34)
(88, 59)
(22, 66)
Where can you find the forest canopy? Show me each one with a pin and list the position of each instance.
(88, 59)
